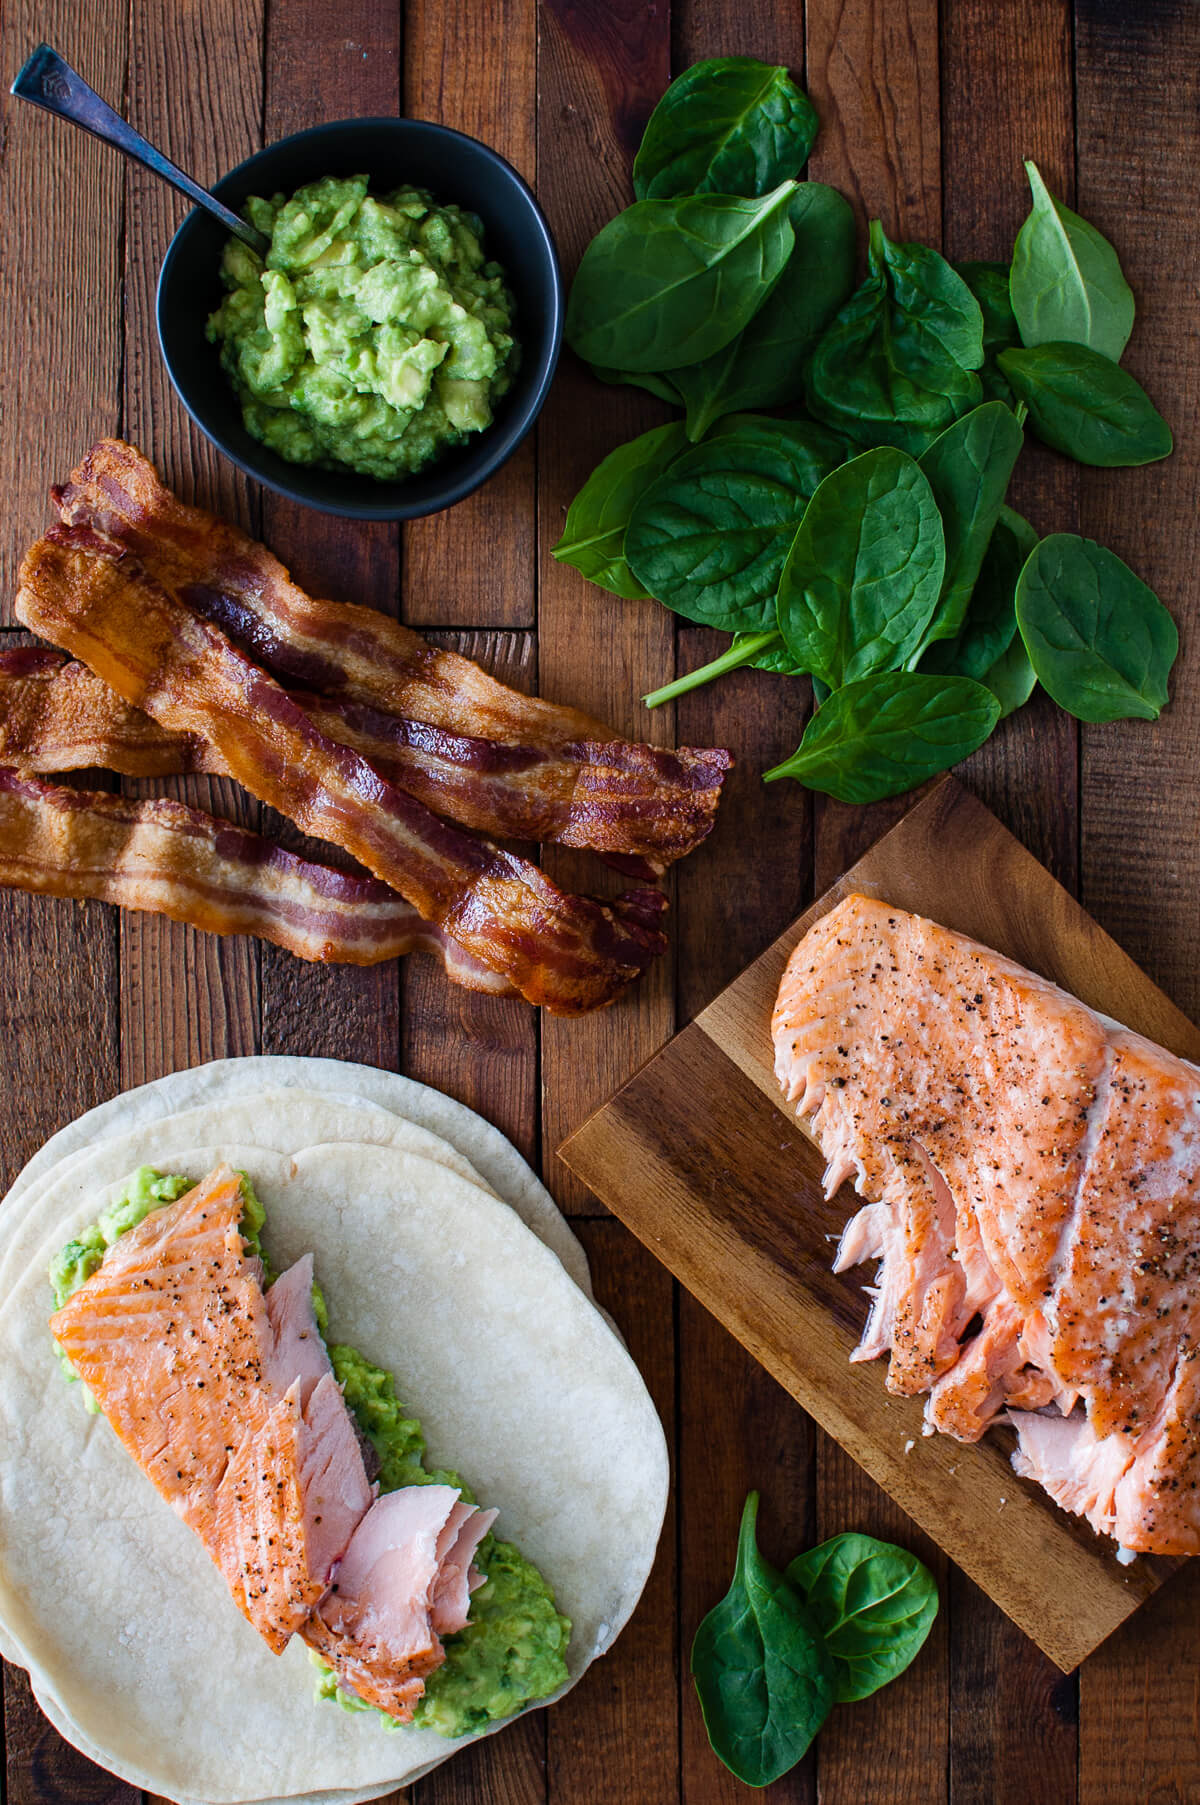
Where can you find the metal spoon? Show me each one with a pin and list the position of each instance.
(50, 82)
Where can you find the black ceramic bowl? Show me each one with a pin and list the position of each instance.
(391, 152)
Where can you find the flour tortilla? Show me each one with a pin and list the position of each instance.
(492, 1156)
(112, 1603)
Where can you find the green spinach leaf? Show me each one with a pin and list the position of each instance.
(764, 365)
(875, 1604)
(865, 570)
(710, 537)
(1083, 404)
(988, 282)
(898, 364)
(1066, 281)
(1012, 679)
(887, 733)
(593, 539)
(656, 383)
(991, 619)
(729, 125)
(670, 282)
(761, 1668)
(969, 467)
(1099, 640)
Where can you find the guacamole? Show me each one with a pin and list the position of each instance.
(376, 336)
(513, 1650)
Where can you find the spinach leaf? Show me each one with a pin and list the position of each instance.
(593, 539)
(969, 467)
(865, 569)
(710, 537)
(761, 1668)
(988, 282)
(889, 732)
(991, 619)
(730, 125)
(1100, 641)
(670, 282)
(875, 1604)
(1012, 679)
(764, 365)
(1082, 403)
(1066, 279)
(656, 383)
(898, 364)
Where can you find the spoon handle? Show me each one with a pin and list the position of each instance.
(49, 81)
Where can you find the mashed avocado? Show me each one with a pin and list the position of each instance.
(376, 335)
(513, 1650)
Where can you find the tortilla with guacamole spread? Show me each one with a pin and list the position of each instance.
(441, 1306)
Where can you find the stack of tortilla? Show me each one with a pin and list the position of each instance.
(446, 1262)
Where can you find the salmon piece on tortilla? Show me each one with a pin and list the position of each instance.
(404, 1582)
(1032, 1177)
(225, 1398)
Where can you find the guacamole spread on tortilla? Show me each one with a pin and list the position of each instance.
(376, 336)
(513, 1650)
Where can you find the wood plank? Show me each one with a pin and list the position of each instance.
(736, 1210)
(616, 1735)
(1141, 871)
(601, 68)
(473, 565)
(61, 214)
(330, 59)
(1027, 771)
(61, 221)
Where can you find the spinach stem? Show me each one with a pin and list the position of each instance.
(731, 660)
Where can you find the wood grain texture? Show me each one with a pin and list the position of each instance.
(699, 1155)
(474, 565)
(56, 186)
(616, 1735)
(600, 69)
(1139, 1718)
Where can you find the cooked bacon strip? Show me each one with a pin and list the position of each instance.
(567, 952)
(170, 860)
(635, 805)
(328, 646)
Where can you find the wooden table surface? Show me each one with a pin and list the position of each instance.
(926, 112)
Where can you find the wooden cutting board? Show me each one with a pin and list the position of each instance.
(703, 1160)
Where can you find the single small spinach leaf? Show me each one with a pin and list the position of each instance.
(864, 571)
(761, 1668)
(991, 619)
(657, 384)
(898, 364)
(1012, 679)
(887, 733)
(969, 467)
(593, 539)
(710, 537)
(1083, 404)
(670, 282)
(1066, 281)
(1098, 638)
(988, 282)
(730, 125)
(764, 365)
(875, 1604)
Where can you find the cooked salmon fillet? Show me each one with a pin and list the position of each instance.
(225, 1396)
(1032, 1172)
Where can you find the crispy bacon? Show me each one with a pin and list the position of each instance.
(329, 647)
(569, 953)
(170, 860)
(634, 805)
